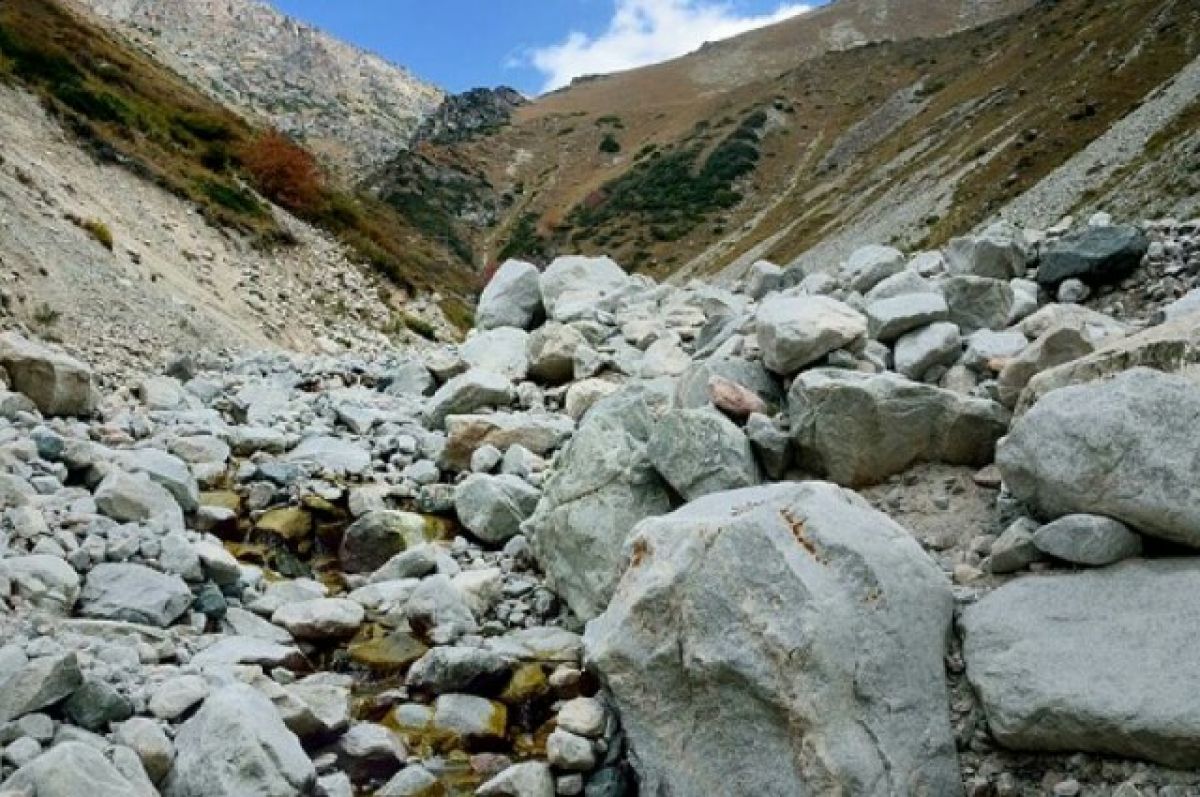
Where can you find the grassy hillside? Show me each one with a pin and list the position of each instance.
(130, 111)
(773, 143)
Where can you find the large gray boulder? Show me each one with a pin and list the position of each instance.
(500, 351)
(1058, 345)
(922, 349)
(332, 454)
(888, 319)
(1120, 448)
(796, 331)
(237, 744)
(701, 451)
(577, 279)
(869, 265)
(133, 593)
(539, 432)
(1089, 540)
(459, 669)
(801, 629)
(46, 581)
(979, 302)
(71, 769)
(1097, 326)
(603, 485)
(321, 619)
(764, 277)
(409, 376)
(529, 779)
(551, 351)
(1094, 662)
(1188, 304)
(57, 383)
(1094, 255)
(858, 429)
(998, 252)
(512, 298)
(27, 686)
(1172, 347)
(167, 470)
(467, 393)
(493, 507)
(127, 497)
(378, 536)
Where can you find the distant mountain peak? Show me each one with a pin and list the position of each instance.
(354, 107)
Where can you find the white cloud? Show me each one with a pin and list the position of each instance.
(646, 32)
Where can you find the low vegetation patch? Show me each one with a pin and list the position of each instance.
(99, 230)
(419, 326)
(45, 315)
(674, 190)
(524, 242)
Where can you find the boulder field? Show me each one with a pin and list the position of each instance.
(920, 524)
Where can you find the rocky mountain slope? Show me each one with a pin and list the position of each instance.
(917, 521)
(353, 107)
(909, 122)
(922, 525)
(142, 217)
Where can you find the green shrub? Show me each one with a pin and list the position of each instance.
(99, 106)
(419, 326)
(99, 230)
(524, 241)
(675, 189)
(609, 144)
(233, 198)
(204, 127)
(45, 315)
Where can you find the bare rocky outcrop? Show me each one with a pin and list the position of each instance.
(355, 106)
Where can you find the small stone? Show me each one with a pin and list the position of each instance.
(146, 738)
(370, 751)
(320, 619)
(1067, 788)
(567, 751)
(1088, 540)
(175, 697)
(1014, 549)
(530, 779)
(470, 717)
(96, 704)
(584, 716)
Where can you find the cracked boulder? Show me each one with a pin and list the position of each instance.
(802, 629)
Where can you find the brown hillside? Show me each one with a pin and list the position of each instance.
(768, 144)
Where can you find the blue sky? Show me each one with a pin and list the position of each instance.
(533, 45)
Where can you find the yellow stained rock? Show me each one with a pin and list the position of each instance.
(289, 523)
(222, 498)
(387, 653)
(528, 683)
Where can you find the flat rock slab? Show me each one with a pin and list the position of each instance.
(1101, 661)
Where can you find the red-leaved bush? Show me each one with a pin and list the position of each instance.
(285, 172)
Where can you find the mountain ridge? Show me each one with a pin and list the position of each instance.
(354, 107)
(912, 140)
